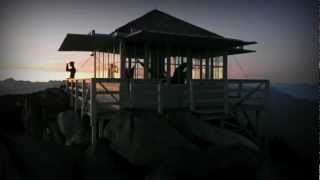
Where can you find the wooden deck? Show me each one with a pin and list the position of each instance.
(100, 98)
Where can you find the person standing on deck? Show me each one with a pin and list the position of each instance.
(72, 69)
(179, 74)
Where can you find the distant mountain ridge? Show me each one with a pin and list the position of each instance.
(298, 91)
(12, 86)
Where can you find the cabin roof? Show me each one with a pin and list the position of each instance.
(158, 21)
(156, 28)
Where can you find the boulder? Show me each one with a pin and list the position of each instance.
(69, 125)
(144, 138)
(103, 163)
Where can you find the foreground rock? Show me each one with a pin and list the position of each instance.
(101, 162)
(40, 110)
(170, 149)
(31, 159)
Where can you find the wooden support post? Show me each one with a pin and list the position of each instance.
(211, 68)
(189, 67)
(83, 101)
(98, 64)
(240, 90)
(103, 65)
(122, 59)
(76, 96)
(94, 64)
(168, 68)
(159, 98)
(157, 63)
(108, 66)
(93, 122)
(147, 57)
(71, 90)
(266, 112)
(177, 62)
(191, 98)
(207, 68)
(100, 128)
(225, 79)
(200, 59)
(94, 54)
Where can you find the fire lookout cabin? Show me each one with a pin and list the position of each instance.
(160, 63)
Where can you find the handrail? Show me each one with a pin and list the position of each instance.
(239, 90)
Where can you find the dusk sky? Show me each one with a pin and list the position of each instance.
(286, 32)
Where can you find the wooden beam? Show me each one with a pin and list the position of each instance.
(83, 85)
(147, 56)
(122, 59)
(189, 66)
(93, 111)
(98, 62)
(94, 64)
(211, 68)
(168, 68)
(225, 79)
(157, 63)
(200, 59)
(207, 68)
(76, 96)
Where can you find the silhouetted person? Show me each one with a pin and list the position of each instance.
(179, 74)
(71, 69)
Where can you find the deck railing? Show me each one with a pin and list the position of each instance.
(157, 95)
(95, 95)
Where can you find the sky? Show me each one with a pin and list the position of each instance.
(286, 31)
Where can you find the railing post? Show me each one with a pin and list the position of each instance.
(266, 92)
(159, 98)
(131, 93)
(122, 57)
(189, 66)
(266, 101)
(200, 59)
(207, 68)
(225, 79)
(147, 60)
(240, 89)
(83, 99)
(93, 111)
(71, 93)
(76, 96)
(192, 108)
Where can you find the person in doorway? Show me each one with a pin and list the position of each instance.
(71, 69)
(179, 74)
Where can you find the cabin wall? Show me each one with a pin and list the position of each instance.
(157, 63)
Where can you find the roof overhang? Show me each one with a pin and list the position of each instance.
(86, 42)
(186, 41)
(197, 44)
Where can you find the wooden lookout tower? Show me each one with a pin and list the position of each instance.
(160, 63)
